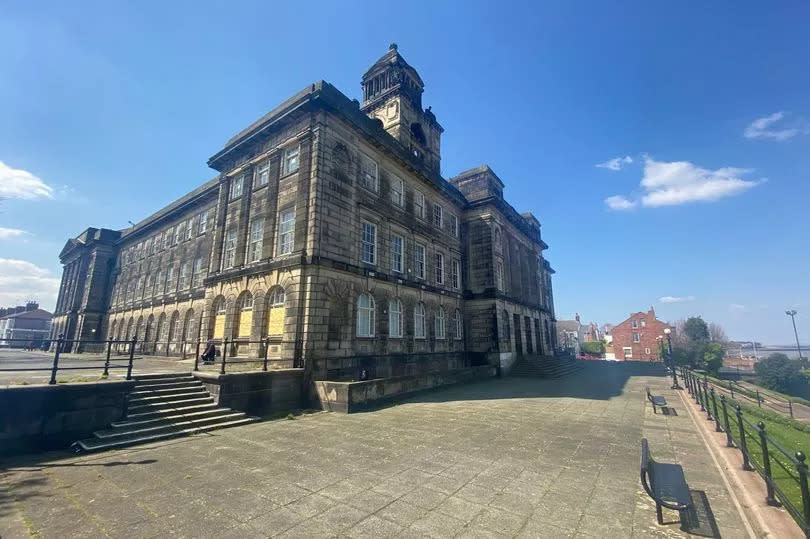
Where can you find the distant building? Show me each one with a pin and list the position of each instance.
(591, 333)
(570, 334)
(743, 364)
(27, 322)
(637, 337)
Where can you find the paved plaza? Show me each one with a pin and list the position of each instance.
(511, 457)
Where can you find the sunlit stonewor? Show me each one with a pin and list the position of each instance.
(329, 229)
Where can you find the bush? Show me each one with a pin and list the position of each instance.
(596, 348)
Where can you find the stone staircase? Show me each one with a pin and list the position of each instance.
(544, 367)
(164, 406)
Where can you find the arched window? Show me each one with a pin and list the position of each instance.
(244, 315)
(112, 330)
(395, 318)
(419, 321)
(174, 327)
(459, 323)
(365, 315)
(498, 245)
(275, 312)
(149, 334)
(139, 329)
(218, 319)
(162, 328)
(439, 320)
(188, 326)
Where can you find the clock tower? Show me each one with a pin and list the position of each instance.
(392, 93)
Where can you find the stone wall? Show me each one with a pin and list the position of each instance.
(42, 417)
(257, 393)
(348, 397)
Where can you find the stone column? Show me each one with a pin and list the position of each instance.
(243, 227)
(270, 240)
(219, 223)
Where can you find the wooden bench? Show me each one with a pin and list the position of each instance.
(657, 401)
(665, 483)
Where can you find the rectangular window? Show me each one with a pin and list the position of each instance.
(263, 174)
(189, 229)
(236, 186)
(229, 250)
(647, 351)
(139, 287)
(419, 204)
(197, 273)
(179, 233)
(643, 323)
(158, 283)
(634, 324)
(182, 278)
(628, 352)
(169, 280)
(439, 268)
(368, 173)
(636, 337)
(147, 250)
(455, 280)
(203, 222)
(397, 191)
(156, 243)
(454, 225)
(256, 237)
(286, 231)
(148, 287)
(291, 159)
(438, 218)
(369, 243)
(420, 260)
(396, 254)
(167, 238)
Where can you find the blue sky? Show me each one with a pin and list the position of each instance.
(108, 112)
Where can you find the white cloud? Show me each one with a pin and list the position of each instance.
(18, 183)
(8, 233)
(681, 182)
(616, 163)
(21, 281)
(676, 299)
(737, 307)
(762, 128)
(618, 202)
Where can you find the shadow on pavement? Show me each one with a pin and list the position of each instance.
(699, 519)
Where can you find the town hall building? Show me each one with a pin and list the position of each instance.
(330, 234)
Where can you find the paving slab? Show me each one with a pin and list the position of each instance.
(510, 457)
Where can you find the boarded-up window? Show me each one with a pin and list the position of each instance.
(219, 319)
(275, 312)
(245, 313)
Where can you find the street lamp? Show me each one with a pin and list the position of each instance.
(792, 314)
(675, 385)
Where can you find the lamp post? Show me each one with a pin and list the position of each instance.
(675, 385)
(792, 314)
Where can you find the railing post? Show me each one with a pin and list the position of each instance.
(727, 426)
(759, 401)
(743, 444)
(731, 388)
(702, 395)
(197, 356)
(697, 388)
(266, 351)
(801, 467)
(59, 342)
(706, 396)
(716, 417)
(131, 357)
(107, 360)
(224, 353)
(790, 408)
(766, 464)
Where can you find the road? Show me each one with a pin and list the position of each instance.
(29, 361)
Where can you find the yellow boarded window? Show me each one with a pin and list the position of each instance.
(275, 312)
(245, 323)
(219, 326)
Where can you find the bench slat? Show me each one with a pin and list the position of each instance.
(669, 483)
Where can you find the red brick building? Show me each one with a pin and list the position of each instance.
(637, 337)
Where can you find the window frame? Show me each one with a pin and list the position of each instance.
(286, 237)
(375, 188)
(459, 323)
(229, 249)
(438, 216)
(636, 337)
(397, 257)
(400, 200)
(455, 274)
(395, 308)
(419, 196)
(454, 225)
(371, 245)
(291, 152)
(439, 268)
(370, 310)
(440, 323)
(420, 264)
(238, 180)
(263, 174)
(255, 246)
(419, 315)
(202, 225)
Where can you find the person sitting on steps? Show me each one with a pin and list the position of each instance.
(208, 356)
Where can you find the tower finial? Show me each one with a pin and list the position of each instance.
(392, 47)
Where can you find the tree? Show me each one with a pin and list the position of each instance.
(717, 333)
(696, 329)
(595, 348)
(778, 372)
(713, 357)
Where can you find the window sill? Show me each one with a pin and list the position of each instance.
(286, 175)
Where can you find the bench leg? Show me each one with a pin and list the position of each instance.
(658, 513)
(655, 409)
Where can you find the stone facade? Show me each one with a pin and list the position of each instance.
(330, 230)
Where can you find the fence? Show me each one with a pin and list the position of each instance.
(785, 475)
(755, 396)
(229, 348)
(62, 345)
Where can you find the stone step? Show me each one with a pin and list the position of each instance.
(97, 444)
(140, 393)
(162, 376)
(190, 382)
(155, 413)
(178, 395)
(170, 416)
(158, 405)
(182, 422)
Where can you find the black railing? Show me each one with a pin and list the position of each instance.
(762, 399)
(785, 475)
(62, 345)
(367, 367)
(227, 352)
